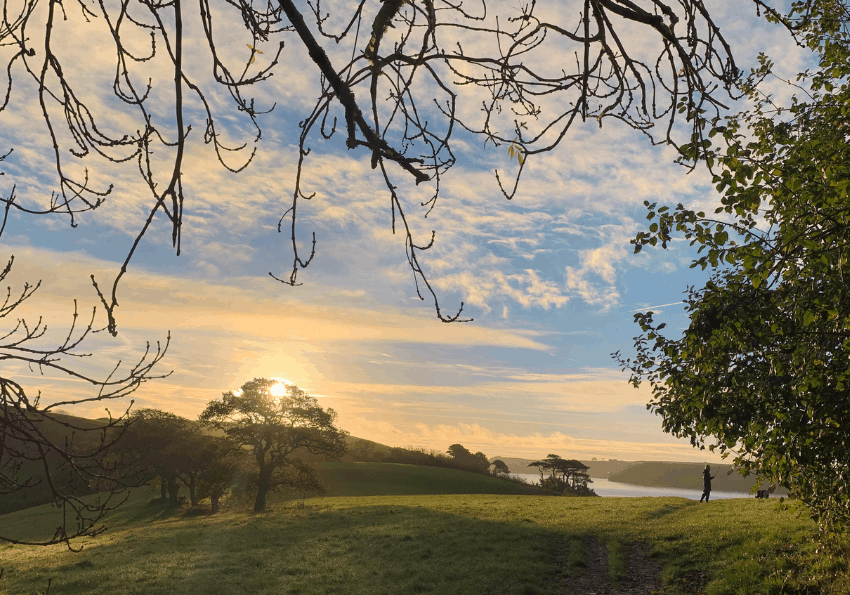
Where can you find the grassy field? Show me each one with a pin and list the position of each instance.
(389, 479)
(447, 544)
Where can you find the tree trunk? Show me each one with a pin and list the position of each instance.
(215, 504)
(163, 489)
(173, 490)
(262, 490)
(193, 496)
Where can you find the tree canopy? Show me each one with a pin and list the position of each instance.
(567, 476)
(276, 430)
(500, 467)
(465, 459)
(763, 367)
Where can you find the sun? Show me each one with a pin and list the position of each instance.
(279, 389)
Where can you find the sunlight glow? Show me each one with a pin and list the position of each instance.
(279, 389)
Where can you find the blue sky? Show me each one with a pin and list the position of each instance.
(549, 277)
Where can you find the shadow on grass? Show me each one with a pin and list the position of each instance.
(388, 550)
(665, 510)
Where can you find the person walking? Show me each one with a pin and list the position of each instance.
(706, 483)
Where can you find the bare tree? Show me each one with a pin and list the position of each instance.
(42, 449)
(398, 79)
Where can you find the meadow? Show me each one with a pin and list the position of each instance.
(453, 544)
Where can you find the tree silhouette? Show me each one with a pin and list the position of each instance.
(500, 467)
(276, 429)
(160, 444)
(39, 446)
(565, 475)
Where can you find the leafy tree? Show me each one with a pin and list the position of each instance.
(160, 444)
(500, 467)
(458, 452)
(221, 463)
(567, 476)
(465, 459)
(762, 372)
(275, 429)
(175, 449)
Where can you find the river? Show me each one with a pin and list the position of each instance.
(612, 489)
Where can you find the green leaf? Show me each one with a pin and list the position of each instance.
(808, 318)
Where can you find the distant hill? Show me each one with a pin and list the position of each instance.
(599, 469)
(684, 475)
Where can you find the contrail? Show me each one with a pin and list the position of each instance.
(645, 308)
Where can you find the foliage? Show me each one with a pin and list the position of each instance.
(764, 365)
(566, 476)
(158, 444)
(221, 465)
(175, 449)
(456, 457)
(500, 467)
(275, 429)
(464, 459)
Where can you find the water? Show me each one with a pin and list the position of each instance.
(604, 488)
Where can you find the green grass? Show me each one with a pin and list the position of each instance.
(386, 479)
(444, 544)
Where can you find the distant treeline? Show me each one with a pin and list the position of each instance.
(456, 457)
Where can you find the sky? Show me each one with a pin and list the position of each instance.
(549, 277)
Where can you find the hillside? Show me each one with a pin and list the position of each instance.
(393, 479)
(684, 475)
(58, 429)
(62, 426)
(462, 544)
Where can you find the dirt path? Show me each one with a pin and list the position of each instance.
(590, 575)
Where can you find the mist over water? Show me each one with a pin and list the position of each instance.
(612, 489)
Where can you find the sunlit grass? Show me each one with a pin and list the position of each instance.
(446, 544)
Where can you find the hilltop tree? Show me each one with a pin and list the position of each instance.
(275, 429)
(762, 371)
(565, 475)
(465, 459)
(500, 467)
